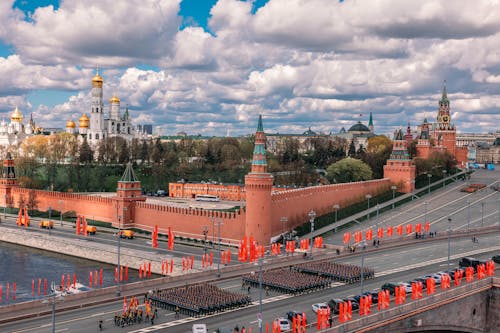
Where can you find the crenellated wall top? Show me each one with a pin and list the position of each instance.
(301, 192)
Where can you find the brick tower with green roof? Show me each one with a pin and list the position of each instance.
(127, 193)
(258, 186)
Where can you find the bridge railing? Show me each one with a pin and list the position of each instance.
(412, 307)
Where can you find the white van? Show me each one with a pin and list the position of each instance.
(199, 328)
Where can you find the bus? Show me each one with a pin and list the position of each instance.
(206, 197)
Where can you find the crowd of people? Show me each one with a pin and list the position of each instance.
(200, 299)
(336, 271)
(287, 280)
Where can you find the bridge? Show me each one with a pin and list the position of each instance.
(471, 307)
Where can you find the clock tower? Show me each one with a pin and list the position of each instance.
(445, 132)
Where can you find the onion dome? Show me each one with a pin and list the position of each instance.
(83, 122)
(70, 124)
(16, 116)
(97, 80)
(114, 99)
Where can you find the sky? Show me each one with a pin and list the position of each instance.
(210, 67)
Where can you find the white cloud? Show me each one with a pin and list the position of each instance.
(315, 63)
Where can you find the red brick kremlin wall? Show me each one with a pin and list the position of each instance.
(295, 204)
(93, 207)
(188, 222)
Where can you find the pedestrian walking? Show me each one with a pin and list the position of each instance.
(248, 291)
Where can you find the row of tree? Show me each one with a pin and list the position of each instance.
(62, 162)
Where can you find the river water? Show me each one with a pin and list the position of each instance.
(19, 264)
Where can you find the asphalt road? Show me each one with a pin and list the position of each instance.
(466, 210)
(390, 264)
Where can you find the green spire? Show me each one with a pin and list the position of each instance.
(260, 127)
(125, 115)
(129, 175)
(444, 97)
(370, 122)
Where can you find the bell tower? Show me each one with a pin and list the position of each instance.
(258, 186)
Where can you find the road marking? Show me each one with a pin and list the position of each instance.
(62, 330)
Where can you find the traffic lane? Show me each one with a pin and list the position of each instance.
(389, 258)
(248, 316)
(138, 243)
(435, 209)
(89, 316)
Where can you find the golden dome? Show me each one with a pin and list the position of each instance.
(16, 116)
(83, 122)
(70, 124)
(114, 99)
(97, 80)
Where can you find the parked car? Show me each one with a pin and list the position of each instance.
(391, 286)
(224, 330)
(420, 279)
(126, 234)
(452, 272)
(199, 328)
(291, 314)
(470, 262)
(407, 286)
(354, 303)
(374, 295)
(284, 324)
(46, 224)
(334, 305)
(317, 306)
(496, 259)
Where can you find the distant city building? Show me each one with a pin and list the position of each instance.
(116, 123)
(358, 133)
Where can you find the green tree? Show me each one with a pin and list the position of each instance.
(348, 170)
(377, 153)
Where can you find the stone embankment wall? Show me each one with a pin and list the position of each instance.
(88, 249)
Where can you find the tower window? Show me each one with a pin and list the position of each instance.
(97, 136)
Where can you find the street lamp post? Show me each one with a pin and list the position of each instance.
(52, 299)
(482, 214)
(378, 207)
(468, 215)
(205, 232)
(283, 221)
(393, 188)
(425, 211)
(336, 208)
(118, 287)
(449, 234)
(259, 316)
(53, 307)
(312, 215)
(444, 178)
(5, 207)
(363, 244)
(61, 212)
(218, 223)
(368, 197)
(429, 176)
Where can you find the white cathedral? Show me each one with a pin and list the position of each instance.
(100, 125)
(15, 132)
